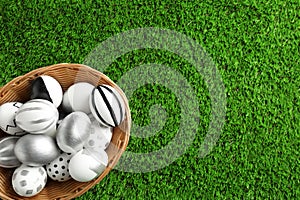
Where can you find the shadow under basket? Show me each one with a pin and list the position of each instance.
(66, 74)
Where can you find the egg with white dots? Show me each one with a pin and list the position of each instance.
(107, 105)
(77, 96)
(38, 116)
(58, 169)
(48, 88)
(29, 181)
(87, 164)
(100, 136)
(7, 118)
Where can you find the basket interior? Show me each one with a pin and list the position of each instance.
(66, 75)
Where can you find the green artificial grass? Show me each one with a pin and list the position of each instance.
(253, 43)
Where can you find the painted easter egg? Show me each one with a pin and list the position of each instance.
(48, 88)
(86, 165)
(77, 96)
(8, 158)
(28, 181)
(73, 132)
(36, 149)
(38, 116)
(7, 118)
(58, 169)
(107, 105)
(99, 137)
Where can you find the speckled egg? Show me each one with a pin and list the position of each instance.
(99, 137)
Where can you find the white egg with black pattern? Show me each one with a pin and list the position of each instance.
(29, 181)
(48, 88)
(58, 169)
(107, 105)
(7, 118)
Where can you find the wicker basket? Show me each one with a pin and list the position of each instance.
(66, 75)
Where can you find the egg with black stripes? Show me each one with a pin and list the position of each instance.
(38, 116)
(48, 88)
(7, 118)
(107, 105)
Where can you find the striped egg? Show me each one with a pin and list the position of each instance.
(8, 158)
(38, 116)
(107, 105)
(48, 88)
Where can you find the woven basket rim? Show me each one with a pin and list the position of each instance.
(23, 79)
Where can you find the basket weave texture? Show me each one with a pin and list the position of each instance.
(66, 74)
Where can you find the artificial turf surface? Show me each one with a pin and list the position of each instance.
(254, 45)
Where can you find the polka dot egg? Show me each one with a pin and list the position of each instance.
(58, 170)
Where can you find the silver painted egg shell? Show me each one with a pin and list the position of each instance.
(73, 132)
(36, 149)
(8, 158)
(37, 116)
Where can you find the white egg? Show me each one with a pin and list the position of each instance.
(7, 118)
(58, 169)
(48, 88)
(107, 105)
(8, 158)
(73, 132)
(38, 116)
(99, 137)
(87, 164)
(36, 149)
(77, 96)
(29, 181)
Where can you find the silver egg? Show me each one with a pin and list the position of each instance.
(36, 149)
(7, 154)
(73, 132)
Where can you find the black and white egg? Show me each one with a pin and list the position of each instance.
(38, 116)
(48, 88)
(8, 158)
(7, 118)
(99, 137)
(107, 105)
(77, 96)
(58, 169)
(28, 181)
